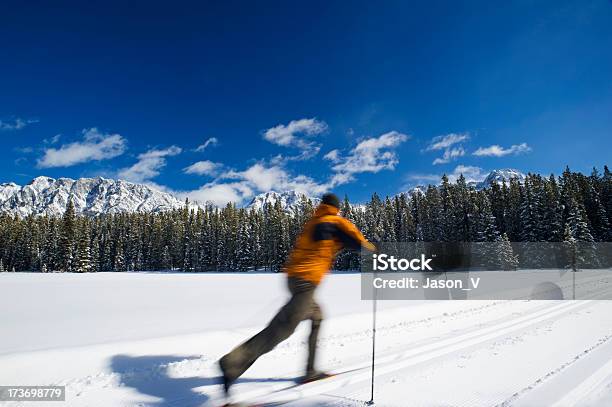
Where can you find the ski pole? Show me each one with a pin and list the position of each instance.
(371, 402)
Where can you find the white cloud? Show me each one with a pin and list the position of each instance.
(149, 164)
(446, 143)
(24, 150)
(264, 178)
(449, 155)
(443, 142)
(420, 178)
(52, 140)
(219, 194)
(297, 134)
(285, 135)
(498, 151)
(470, 173)
(308, 186)
(340, 178)
(210, 142)
(370, 155)
(238, 186)
(333, 156)
(261, 177)
(16, 124)
(205, 167)
(96, 146)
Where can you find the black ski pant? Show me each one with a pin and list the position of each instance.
(300, 307)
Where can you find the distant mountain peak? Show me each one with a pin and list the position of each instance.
(417, 190)
(90, 196)
(496, 176)
(501, 175)
(289, 200)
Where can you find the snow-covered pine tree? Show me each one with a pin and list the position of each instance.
(530, 215)
(343, 258)
(95, 255)
(186, 257)
(578, 223)
(244, 254)
(606, 193)
(512, 212)
(68, 238)
(374, 222)
(553, 212)
(506, 257)
(51, 251)
(83, 257)
(463, 203)
(486, 236)
(599, 217)
(578, 229)
(166, 263)
(388, 222)
(405, 226)
(451, 215)
(204, 244)
(569, 245)
(255, 237)
(119, 258)
(484, 222)
(23, 254)
(106, 261)
(283, 245)
(431, 216)
(222, 242)
(497, 199)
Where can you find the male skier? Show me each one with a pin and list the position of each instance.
(322, 237)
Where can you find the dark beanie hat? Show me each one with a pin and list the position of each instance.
(330, 199)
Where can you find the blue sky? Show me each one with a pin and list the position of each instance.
(222, 100)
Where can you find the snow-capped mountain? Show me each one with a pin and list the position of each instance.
(96, 196)
(495, 176)
(90, 196)
(418, 190)
(499, 176)
(289, 200)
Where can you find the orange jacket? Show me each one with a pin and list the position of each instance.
(323, 236)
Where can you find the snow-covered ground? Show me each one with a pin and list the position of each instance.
(152, 339)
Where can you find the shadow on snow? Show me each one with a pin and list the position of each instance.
(149, 376)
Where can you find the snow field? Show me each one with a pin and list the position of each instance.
(153, 339)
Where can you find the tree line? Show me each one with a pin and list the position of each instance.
(570, 208)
